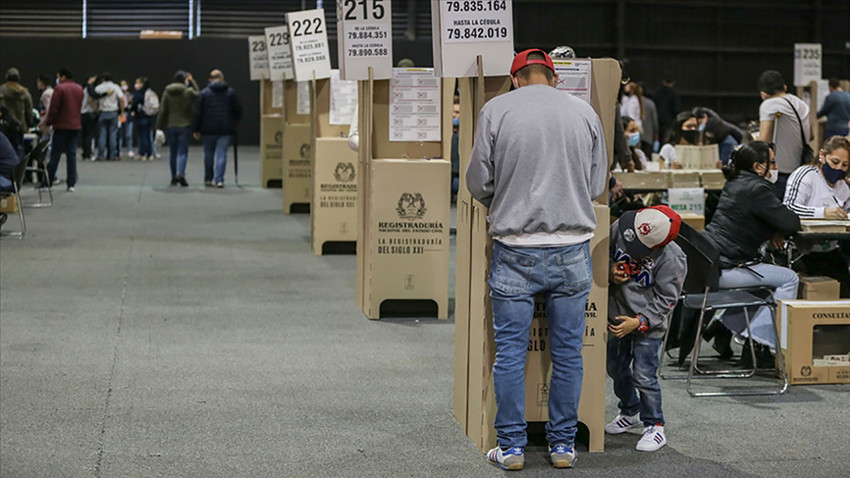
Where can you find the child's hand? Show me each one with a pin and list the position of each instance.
(625, 327)
(618, 275)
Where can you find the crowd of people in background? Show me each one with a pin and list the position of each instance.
(105, 119)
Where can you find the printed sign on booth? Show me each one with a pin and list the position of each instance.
(309, 44)
(365, 39)
(808, 58)
(279, 53)
(258, 57)
(463, 30)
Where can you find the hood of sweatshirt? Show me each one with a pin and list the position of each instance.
(219, 86)
(13, 89)
(175, 89)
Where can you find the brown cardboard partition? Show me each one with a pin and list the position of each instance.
(271, 149)
(403, 209)
(267, 100)
(321, 110)
(480, 401)
(333, 216)
(297, 166)
(290, 104)
(815, 340)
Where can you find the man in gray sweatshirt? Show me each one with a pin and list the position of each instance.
(539, 159)
(647, 274)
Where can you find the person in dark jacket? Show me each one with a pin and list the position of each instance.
(175, 118)
(216, 117)
(143, 120)
(8, 162)
(667, 103)
(748, 215)
(64, 116)
(17, 100)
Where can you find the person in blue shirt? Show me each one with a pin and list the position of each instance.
(836, 108)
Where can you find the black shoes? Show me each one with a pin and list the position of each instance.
(182, 181)
(174, 181)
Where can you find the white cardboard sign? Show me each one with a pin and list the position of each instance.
(343, 99)
(365, 38)
(259, 60)
(302, 105)
(309, 43)
(574, 77)
(280, 55)
(415, 103)
(687, 200)
(464, 29)
(807, 63)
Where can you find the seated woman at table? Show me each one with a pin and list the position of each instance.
(685, 130)
(747, 216)
(635, 160)
(818, 191)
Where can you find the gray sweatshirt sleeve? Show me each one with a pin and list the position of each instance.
(599, 167)
(480, 172)
(669, 280)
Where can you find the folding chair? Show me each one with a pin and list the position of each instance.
(16, 181)
(36, 162)
(701, 292)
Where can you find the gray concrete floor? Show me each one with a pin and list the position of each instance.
(148, 331)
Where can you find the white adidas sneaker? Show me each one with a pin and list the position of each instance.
(653, 438)
(622, 424)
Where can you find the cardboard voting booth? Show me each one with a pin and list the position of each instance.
(404, 185)
(815, 340)
(333, 217)
(297, 147)
(473, 397)
(271, 133)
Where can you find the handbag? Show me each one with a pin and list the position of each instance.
(808, 155)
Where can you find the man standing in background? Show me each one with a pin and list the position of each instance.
(111, 105)
(668, 104)
(64, 117)
(836, 108)
(216, 117)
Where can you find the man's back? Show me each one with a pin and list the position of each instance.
(786, 132)
(111, 101)
(218, 110)
(548, 161)
(836, 108)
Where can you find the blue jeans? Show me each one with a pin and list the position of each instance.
(564, 275)
(63, 141)
(633, 365)
(145, 141)
(107, 124)
(215, 146)
(178, 144)
(127, 129)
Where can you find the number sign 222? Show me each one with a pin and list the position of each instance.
(305, 27)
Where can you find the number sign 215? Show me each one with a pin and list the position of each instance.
(377, 9)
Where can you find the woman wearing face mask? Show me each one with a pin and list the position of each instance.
(143, 120)
(748, 215)
(636, 158)
(685, 130)
(819, 190)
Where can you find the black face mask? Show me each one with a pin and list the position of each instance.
(691, 136)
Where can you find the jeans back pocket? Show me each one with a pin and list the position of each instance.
(511, 271)
(575, 270)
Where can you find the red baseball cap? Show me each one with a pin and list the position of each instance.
(521, 60)
(649, 228)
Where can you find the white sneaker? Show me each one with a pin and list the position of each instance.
(622, 424)
(131, 154)
(653, 438)
(511, 459)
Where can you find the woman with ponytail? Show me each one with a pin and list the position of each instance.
(748, 215)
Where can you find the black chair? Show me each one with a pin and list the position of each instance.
(36, 162)
(701, 292)
(17, 180)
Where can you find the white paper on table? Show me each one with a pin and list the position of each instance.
(343, 99)
(277, 94)
(303, 107)
(415, 105)
(574, 77)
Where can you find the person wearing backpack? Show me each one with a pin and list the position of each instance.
(145, 107)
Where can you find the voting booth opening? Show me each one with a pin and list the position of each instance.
(474, 406)
(403, 213)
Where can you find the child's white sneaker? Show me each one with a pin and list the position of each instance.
(622, 424)
(653, 438)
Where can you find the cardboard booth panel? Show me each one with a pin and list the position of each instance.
(271, 170)
(297, 165)
(322, 109)
(815, 339)
(334, 207)
(271, 97)
(290, 104)
(271, 137)
(408, 233)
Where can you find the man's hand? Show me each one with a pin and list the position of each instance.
(617, 276)
(778, 241)
(834, 213)
(188, 78)
(617, 190)
(196, 135)
(625, 327)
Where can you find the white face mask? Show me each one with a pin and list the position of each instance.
(773, 176)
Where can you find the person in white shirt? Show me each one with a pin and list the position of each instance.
(111, 105)
(819, 191)
(685, 130)
(631, 105)
(779, 124)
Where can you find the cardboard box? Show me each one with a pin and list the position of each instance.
(297, 165)
(647, 180)
(333, 215)
(713, 179)
(268, 102)
(9, 204)
(290, 104)
(696, 221)
(815, 339)
(697, 157)
(684, 179)
(819, 288)
(481, 407)
(407, 237)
